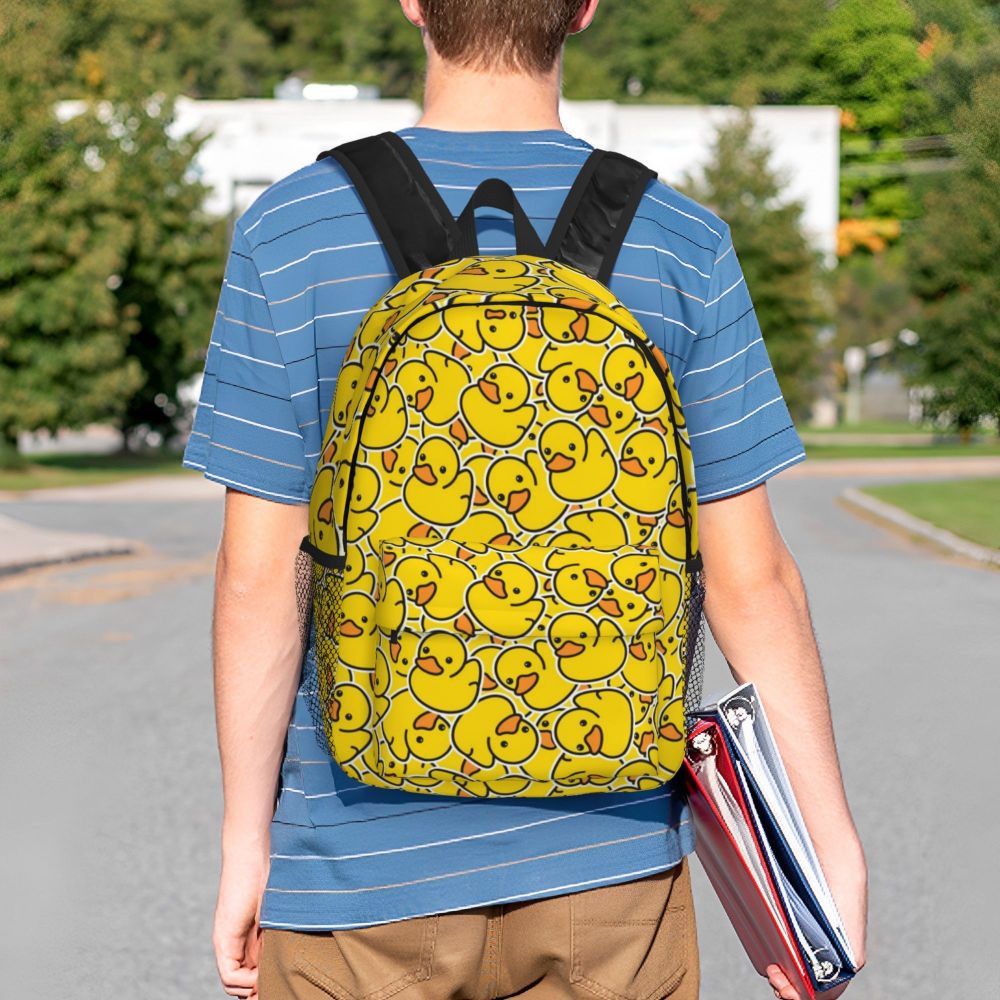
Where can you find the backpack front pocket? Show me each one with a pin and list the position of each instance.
(534, 670)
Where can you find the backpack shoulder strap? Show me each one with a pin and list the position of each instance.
(409, 215)
(592, 223)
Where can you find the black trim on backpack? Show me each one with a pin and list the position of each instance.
(409, 215)
(592, 223)
(323, 558)
(498, 194)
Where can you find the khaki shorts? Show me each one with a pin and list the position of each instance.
(633, 941)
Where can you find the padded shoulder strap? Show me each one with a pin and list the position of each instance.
(409, 215)
(591, 226)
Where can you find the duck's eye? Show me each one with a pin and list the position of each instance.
(422, 378)
(574, 576)
(420, 739)
(631, 364)
(583, 635)
(629, 451)
(503, 743)
(524, 729)
(630, 605)
(512, 314)
(579, 746)
(517, 590)
(546, 451)
(497, 572)
(348, 716)
(618, 385)
(509, 395)
(423, 572)
(619, 414)
(493, 375)
(565, 379)
(583, 722)
(493, 328)
(593, 593)
(364, 619)
(649, 461)
(447, 659)
(442, 469)
(527, 663)
(421, 457)
(519, 479)
(501, 497)
(572, 447)
(509, 682)
(441, 727)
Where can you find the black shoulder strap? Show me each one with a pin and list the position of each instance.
(591, 226)
(406, 209)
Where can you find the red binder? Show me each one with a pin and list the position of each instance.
(762, 927)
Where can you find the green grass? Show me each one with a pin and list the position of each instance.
(48, 471)
(977, 448)
(872, 427)
(966, 507)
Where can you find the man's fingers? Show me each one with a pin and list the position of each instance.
(780, 984)
(237, 979)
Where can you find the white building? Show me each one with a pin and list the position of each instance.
(255, 142)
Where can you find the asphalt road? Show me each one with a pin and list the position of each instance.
(110, 791)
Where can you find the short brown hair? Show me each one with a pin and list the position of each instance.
(524, 35)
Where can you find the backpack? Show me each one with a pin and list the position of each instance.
(506, 586)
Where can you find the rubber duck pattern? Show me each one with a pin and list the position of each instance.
(503, 481)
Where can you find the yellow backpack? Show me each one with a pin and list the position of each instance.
(506, 580)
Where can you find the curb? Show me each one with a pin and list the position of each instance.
(25, 547)
(898, 518)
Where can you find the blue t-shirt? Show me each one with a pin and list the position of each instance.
(305, 266)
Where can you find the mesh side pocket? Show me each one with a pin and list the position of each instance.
(694, 643)
(304, 595)
(327, 591)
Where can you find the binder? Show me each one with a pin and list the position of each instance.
(755, 848)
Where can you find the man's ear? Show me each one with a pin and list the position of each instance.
(588, 8)
(414, 12)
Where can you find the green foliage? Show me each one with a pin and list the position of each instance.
(955, 268)
(783, 273)
(108, 269)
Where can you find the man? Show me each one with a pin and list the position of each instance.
(367, 892)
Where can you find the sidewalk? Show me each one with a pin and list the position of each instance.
(24, 546)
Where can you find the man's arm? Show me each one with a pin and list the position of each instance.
(757, 609)
(257, 657)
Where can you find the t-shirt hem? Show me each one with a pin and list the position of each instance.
(235, 481)
(780, 463)
(685, 847)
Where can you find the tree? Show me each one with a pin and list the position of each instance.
(783, 272)
(955, 271)
(63, 358)
(108, 267)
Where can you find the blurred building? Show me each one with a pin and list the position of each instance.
(255, 142)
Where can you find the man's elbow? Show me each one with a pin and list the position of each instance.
(770, 581)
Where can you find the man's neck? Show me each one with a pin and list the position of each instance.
(465, 100)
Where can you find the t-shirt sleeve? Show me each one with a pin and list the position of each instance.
(740, 429)
(245, 433)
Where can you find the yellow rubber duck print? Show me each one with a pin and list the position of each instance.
(532, 678)
(431, 385)
(628, 375)
(639, 573)
(592, 529)
(356, 642)
(347, 394)
(583, 653)
(670, 732)
(444, 677)
(396, 462)
(599, 724)
(409, 728)
(497, 408)
(492, 730)
(435, 584)
(519, 487)
(615, 417)
(580, 577)
(570, 385)
(580, 466)
(493, 275)
(438, 490)
(387, 406)
(644, 668)
(504, 601)
(349, 712)
(646, 469)
(673, 534)
(365, 490)
(483, 527)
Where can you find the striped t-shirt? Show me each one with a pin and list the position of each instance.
(305, 266)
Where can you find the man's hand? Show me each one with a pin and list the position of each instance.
(258, 660)
(236, 933)
(757, 609)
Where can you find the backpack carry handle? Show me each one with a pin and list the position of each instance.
(496, 193)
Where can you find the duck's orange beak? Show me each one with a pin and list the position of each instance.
(495, 586)
(676, 518)
(425, 474)
(638, 650)
(644, 581)
(610, 607)
(423, 398)
(632, 466)
(429, 665)
(428, 720)
(350, 629)
(671, 732)
(569, 648)
(585, 381)
(600, 415)
(508, 725)
(546, 740)
(425, 592)
(516, 500)
(632, 386)
(389, 459)
(559, 463)
(595, 579)
(594, 739)
(525, 683)
(489, 389)
(335, 709)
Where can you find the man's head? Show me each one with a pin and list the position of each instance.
(521, 36)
